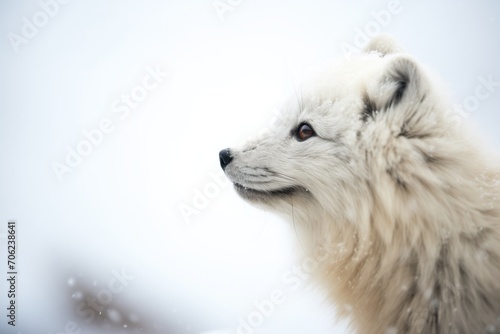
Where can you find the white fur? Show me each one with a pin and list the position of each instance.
(410, 201)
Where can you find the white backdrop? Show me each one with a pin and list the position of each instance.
(112, 115)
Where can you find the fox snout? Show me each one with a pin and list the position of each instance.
(225, 158)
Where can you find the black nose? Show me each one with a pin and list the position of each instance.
(225, 158)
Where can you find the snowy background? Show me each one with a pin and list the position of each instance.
(141, 233)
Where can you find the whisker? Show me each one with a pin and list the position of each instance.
(295, 227)
(286, 177)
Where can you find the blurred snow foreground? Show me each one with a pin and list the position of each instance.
(227, 331)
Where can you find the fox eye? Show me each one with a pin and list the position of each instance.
(304, 131)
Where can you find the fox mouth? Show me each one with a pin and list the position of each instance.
(250, 192)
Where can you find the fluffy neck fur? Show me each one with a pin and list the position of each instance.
(425, 256)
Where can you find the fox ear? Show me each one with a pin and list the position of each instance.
(383, 45)
(400, 84)
(401, 81)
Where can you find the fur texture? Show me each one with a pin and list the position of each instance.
(407, 201)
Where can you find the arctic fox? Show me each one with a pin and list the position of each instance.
(368, 160)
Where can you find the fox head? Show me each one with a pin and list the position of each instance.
(366, 159)
(366, 129)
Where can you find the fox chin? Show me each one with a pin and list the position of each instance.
(371, 163)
